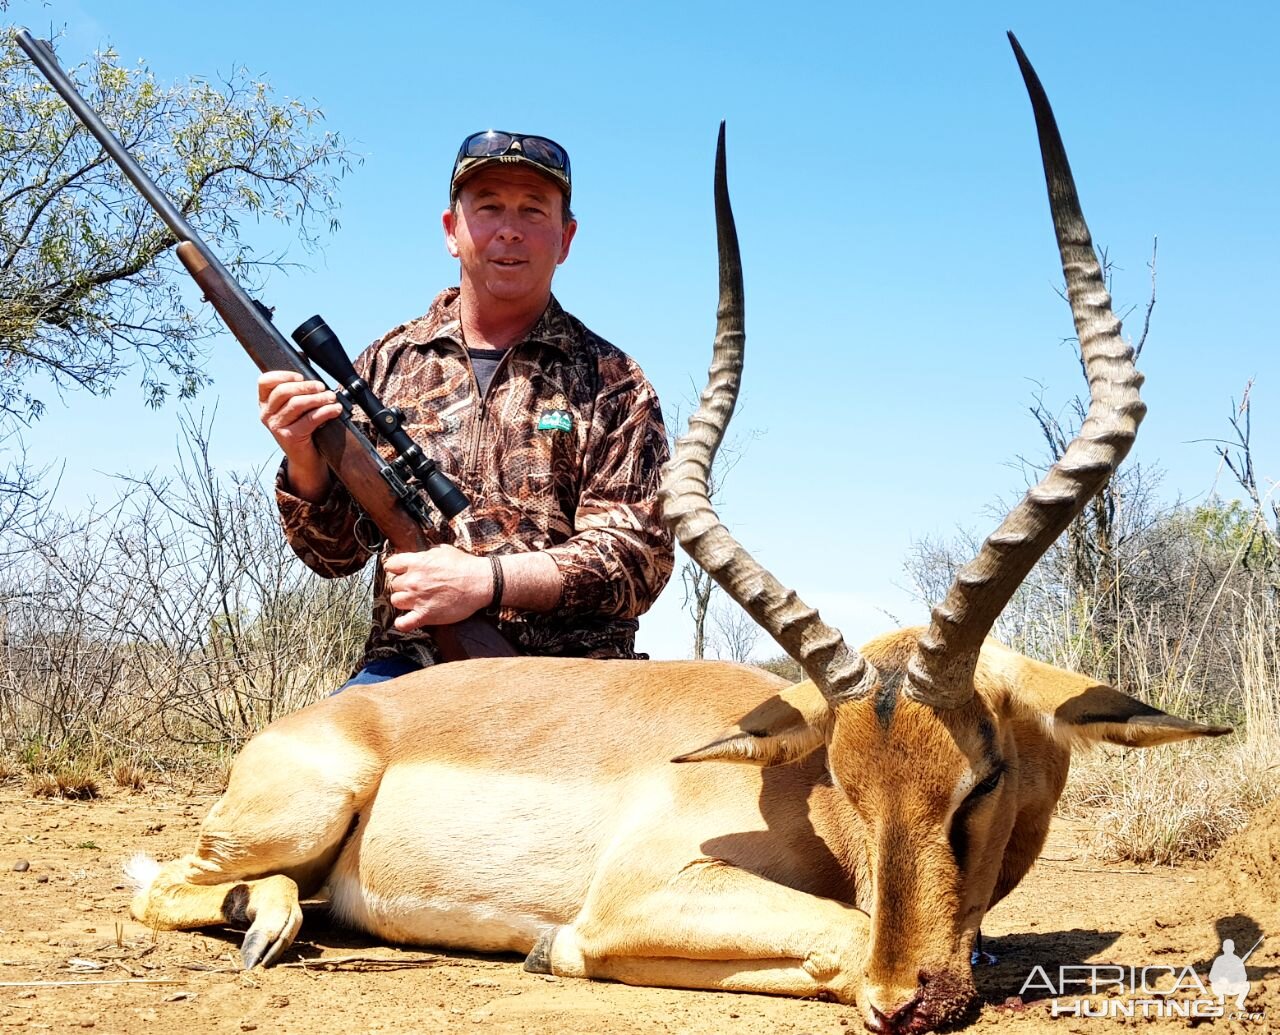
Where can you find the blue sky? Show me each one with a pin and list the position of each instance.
(900, 263)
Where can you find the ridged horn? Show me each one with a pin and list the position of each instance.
(941, 669)
(840, 672)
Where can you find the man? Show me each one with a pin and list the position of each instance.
(554, 435)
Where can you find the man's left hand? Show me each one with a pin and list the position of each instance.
(439, 586)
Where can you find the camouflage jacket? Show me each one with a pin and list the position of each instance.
(562, 455)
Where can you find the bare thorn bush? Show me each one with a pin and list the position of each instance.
(173, 622)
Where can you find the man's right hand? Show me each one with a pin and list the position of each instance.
(292, 408)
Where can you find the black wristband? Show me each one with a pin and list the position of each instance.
(498, 585)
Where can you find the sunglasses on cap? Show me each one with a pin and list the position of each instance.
(498, 144)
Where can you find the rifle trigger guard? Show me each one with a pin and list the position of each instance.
(367, 534)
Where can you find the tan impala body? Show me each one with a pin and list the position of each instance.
(701, 824)
(487, 805)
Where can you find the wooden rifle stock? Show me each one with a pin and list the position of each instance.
(348, 453)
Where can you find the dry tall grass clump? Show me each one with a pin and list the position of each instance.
(1184, 800)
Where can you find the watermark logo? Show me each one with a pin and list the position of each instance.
(1160, 990)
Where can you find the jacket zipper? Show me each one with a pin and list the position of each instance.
(473, 448)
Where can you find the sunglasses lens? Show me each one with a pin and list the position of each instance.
(494, 143)
(545, 152)
(487, 145)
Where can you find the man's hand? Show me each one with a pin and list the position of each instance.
(444, 585)
(292, 408)
(439, 586)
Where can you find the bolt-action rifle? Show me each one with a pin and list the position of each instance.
(390, 494)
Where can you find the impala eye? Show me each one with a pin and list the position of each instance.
(989, 784)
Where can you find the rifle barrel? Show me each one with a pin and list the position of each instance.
(43, 58)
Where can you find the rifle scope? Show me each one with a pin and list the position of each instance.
(321, 345)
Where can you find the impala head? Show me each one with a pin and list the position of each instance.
(956, 807)
(950, 751)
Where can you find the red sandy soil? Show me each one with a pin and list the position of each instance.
(64, 918)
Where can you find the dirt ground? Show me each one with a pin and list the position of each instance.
(72, 959)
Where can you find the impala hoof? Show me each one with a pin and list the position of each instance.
(253, 948)
(539, 959)
(277, 918)
(260, 947)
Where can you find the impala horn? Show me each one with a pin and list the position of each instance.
(941, 669)
(839, 671)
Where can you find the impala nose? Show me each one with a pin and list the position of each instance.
(904, 1018)
(892, 1003)
(939, 997)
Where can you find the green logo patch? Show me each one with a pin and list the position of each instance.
(555, 420)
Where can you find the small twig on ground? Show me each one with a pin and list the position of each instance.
(110, 951)
(355, 962)
(103, 981)
(371, 962)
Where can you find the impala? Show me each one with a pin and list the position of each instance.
(856, 830)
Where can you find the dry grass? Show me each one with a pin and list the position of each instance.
(1166, 805)
(128, 775)
(74, 780)
(71, 771)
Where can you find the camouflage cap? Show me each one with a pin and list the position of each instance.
(498, 146)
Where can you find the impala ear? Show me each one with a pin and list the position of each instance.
(782, 729)
(1079, 709)
(1099, 712)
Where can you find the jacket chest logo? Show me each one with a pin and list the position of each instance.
(555, 420)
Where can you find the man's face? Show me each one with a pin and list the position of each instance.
(508, 233)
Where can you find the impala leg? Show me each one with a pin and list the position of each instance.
(715, 927)
(174, 900)
(280, 825)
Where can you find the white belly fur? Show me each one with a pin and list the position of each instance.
(445, 857)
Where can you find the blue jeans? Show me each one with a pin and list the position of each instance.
(380, 671)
